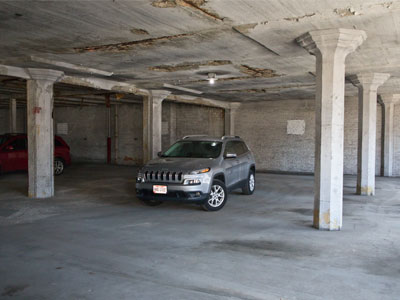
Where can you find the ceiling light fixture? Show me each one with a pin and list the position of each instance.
(212, 77)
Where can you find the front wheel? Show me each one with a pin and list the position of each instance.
(217, 198)
(250, 186)
(58, 166)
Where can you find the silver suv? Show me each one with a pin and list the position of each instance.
(198, 169)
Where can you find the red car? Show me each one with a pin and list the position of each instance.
(14, 153)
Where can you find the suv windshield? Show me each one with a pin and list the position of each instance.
(194, 149)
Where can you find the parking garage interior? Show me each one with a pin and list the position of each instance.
(312, 88)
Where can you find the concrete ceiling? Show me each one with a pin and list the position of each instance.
(249, 44)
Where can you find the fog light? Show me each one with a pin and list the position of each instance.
(191, 181)
(197, 194)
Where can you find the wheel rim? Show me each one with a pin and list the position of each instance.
(58, 167)
(252, 182)
(217, 196)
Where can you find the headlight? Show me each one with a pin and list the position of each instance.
(206, 170)
(191, 182)
(140, 178)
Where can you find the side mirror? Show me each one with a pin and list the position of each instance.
(159, 154)
(230, 155)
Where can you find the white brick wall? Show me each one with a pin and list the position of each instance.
(4, 120)
(193, 119)
(264, 127)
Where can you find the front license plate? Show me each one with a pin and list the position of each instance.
(159, 189)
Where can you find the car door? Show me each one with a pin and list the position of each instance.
(244, 157)
(15, 155)
(231, 165)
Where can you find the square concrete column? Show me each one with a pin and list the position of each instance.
(388, 146)
(152, 121)
(40, 132)
(230, 115)
(367, 84)
(13, 115)
(330, 47)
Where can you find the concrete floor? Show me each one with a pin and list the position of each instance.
(95, 240)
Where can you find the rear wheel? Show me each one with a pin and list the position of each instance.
(58, 166)
(250, 186)
(217, 198)
(152, 202)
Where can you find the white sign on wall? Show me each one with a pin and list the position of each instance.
(62, 128)
(297, 127)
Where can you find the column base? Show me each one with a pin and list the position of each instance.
(365, 190)
(324, 222)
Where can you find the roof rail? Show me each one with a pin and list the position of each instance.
(230, 137)
(194, 135)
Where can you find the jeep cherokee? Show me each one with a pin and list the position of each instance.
(198, 169)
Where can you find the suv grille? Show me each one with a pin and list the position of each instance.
(163, 176)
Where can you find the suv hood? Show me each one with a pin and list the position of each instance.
(178, 164)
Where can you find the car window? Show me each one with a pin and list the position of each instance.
(241, 148)
(194, 149)
(57, 143)
(230, 148)
(19, 144)
(236, 147)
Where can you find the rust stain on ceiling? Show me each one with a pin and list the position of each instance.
(131, 45)
(189, 66)
(258, 72)
(192, 4)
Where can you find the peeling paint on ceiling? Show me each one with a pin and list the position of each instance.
(125, 46)
(189, 66)
(258, 72)
(249, 44)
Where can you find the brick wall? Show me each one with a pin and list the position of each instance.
(4, 120)
(87, 132)
(192, 119)
(264, 127)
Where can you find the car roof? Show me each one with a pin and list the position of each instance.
(210, 138)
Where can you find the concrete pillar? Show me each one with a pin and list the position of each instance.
(172, 123)
(388, 146)
(330, 46)
(367, 84)
(152, 121)
(230, 114)
(40, 132)
(13, 115)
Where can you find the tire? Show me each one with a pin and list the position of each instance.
(58, 166)
(152, 202)
(250, 186)
(218, 197)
